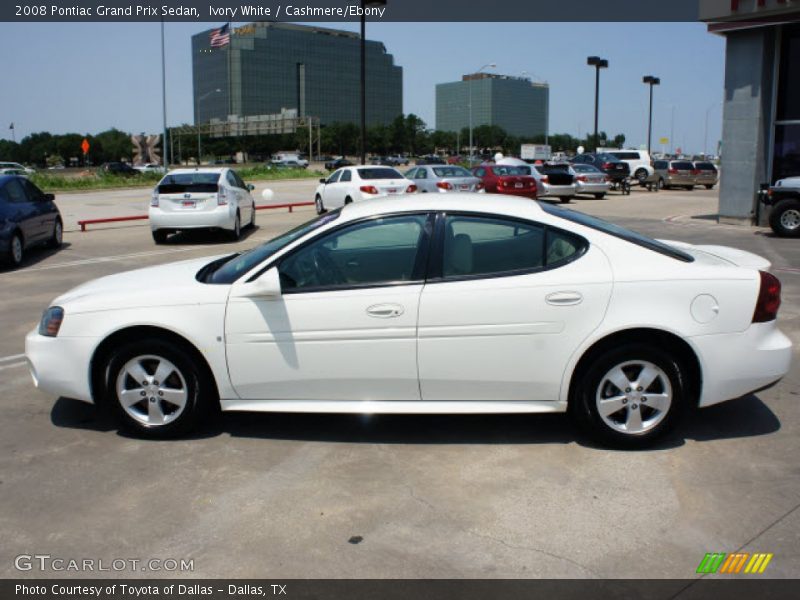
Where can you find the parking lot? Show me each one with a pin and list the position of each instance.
(328, 496)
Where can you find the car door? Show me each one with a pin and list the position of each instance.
(340, 190)
(43, 209)
(510, 304)
(23, 211)
(328, 191)
(421, 180)
(344, 326)
(246, 200)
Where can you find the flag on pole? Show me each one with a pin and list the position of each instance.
(221, 37)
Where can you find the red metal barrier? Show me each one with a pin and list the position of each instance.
(87, 222)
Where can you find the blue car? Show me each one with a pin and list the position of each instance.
(28, 217)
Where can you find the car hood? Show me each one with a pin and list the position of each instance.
(162, 285)
(788, 182)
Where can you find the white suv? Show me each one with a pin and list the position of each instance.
(201, 199)
(638, 160)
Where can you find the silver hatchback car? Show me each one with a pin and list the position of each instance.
(437, 179)
(675, 173)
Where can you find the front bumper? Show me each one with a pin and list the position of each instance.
(60, 365)
(221, 217)
(736, 364)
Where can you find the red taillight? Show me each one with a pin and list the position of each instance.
(672, 171)
(582, 178)
(222, 197)
(769, 298)
(444, 185)
(607, 166)
(479, 185)
(411, 189)
(369, 189)
(695, 172)
(545, 179)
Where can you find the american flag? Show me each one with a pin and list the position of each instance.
(221, 37)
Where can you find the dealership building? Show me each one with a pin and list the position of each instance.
(761, 106)
(280, 68)
(518, 105)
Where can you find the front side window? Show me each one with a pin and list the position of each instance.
(334, 178)
(379, 251)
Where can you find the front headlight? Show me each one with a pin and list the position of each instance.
(51, 321)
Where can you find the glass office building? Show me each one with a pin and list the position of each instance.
(273, 66)
(518, 105)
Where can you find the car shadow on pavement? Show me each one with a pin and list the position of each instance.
(189, 238)
(745, 417)
(34, 256)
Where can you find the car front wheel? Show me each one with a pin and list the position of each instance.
(785, 218)
(156, 389)
(57, 238)
(630, 396)
(16, 250)
(160, 236)
(319, 205)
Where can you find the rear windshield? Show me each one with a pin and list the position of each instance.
(451, 172)
(553, 168)
(379, 173)
(585, 168)
(188, 182)
(682, 166)
(705, 166)
(616, 231)
(503, 171)
(626, 155)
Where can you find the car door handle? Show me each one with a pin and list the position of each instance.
(385, 311)
(564, 298)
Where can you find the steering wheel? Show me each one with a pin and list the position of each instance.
(324, 264)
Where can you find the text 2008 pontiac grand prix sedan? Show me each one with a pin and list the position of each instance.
(417, 304)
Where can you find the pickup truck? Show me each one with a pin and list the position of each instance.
(784, 198)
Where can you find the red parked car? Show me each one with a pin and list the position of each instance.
(503, 179)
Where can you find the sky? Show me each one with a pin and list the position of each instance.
(88, 77)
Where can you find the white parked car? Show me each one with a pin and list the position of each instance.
(422, 304)
(149, 168)
(13, 168)
(354, 184)
(638, 160)
(202, 198)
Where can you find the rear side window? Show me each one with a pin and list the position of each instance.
(626, 155)
(179, 183)
(490, 246)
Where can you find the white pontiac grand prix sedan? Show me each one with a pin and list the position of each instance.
(425, 304)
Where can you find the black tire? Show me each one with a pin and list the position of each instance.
(565, 199)
(641, 176)
(236, 233)
(318, 204)
(160, 236)
(689, 188)
(592, 382)
(709, 187)
(57, 238)
(199, 389)
(348, 200)
(16, 250)
(252, 224)
(785, 218)
(599, 196)
(660, 184)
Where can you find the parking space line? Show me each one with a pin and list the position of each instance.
(11, 358)
(13, 365)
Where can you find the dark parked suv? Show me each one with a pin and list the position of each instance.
(28, 217)
(616, 169)
(119, 168)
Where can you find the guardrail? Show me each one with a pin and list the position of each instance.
(86, 222)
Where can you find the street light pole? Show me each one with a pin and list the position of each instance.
(165, 158)
(365, 4)
(197, 112)
(651, 81)
(471, 79)
(598, 63)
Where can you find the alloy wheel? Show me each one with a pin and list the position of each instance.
(633, 397)
(151, 390)
(16, 249)
(790, 219)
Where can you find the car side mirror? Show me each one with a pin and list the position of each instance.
(323, 180)
(251, 187)
(49, 197)
(268, 285)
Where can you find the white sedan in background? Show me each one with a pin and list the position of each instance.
(422, 304)
(201, 198)
(354, 184)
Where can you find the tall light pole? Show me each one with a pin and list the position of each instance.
(365, 4)
(164, 155)
(705, 135)
(472, 78)
(598, 63)
(197, 112)
(651, 81)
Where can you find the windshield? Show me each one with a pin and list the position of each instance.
(616, 231)
(451, 172)
(239, 264)
(178, 183)
(379, 173)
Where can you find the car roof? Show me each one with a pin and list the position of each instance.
(468, 202)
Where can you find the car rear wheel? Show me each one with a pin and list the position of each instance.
(16, 250)
(348, 200)
(641, 176)
(319, 205)
(599, 196)
(156, 390)
(57, 238)
(661, 185)
(785, 218)
(236, 233)
(709, 187)
(252, 224)
(566, 199)
(630, 396)
(160, 236)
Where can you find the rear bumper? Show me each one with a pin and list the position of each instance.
(222, 217)
(60, 365)
(593, 188)
(736, 364)
(559, 190)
